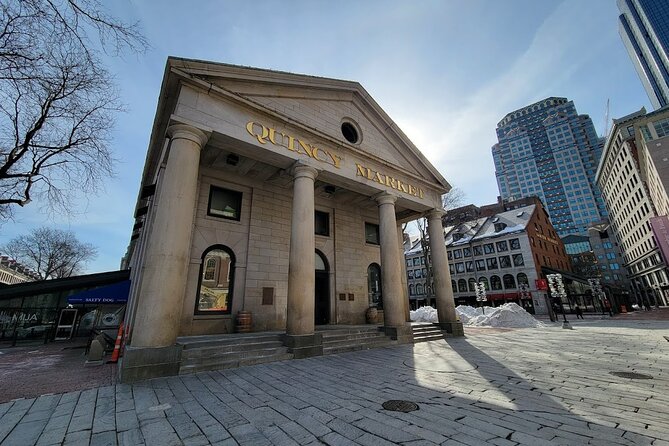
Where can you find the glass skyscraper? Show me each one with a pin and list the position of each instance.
(550, 151)
(644, 28)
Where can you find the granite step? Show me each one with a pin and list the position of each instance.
(193, 342)
(424, 332)
(218, 350)
(234, 363)
(329, 349)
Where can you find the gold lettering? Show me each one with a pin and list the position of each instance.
(378, 178)
(361, 171)
(421, 194)
(412, 190)
(390, 181)
(308, 149)
(291, 143)
(335, 159)
(271, 136)
(405, 188)
(260, 138)
(369, 173)
(288, 141)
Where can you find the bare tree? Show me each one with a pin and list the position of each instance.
(454, 198)
(51, 253)
(57, 102)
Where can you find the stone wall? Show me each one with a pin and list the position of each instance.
(261, 243)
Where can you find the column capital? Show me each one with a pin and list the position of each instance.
(185, 131)
(435, 214)
(300, 170)
(385, 198)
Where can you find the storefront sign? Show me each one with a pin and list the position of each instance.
(548, 239)
(267, 134)
(389, 181)
(8, 319)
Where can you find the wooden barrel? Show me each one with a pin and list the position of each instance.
(371, 315)
(244, 322)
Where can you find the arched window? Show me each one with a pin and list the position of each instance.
(472, 285)
(462, 285)
(495, 283)
(419, 289)
(210, 269)
(484, 281)
(374, 285)
(509, 282)
(217, 271)
(411, 290)
(522, 278)
(453, 286)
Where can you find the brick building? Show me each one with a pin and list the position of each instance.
(508, 244)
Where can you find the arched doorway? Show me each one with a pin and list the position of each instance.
(322, 290)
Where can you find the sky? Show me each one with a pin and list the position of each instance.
(446, 71)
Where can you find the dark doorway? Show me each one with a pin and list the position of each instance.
(322, 291)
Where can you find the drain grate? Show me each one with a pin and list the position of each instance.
(631, 375)
(400, 406)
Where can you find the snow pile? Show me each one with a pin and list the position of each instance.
(508, 315)
(467, 313)
(424, 314)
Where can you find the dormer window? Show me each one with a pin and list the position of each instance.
(500, 227)
(456, 237)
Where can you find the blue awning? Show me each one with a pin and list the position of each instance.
(116, 293)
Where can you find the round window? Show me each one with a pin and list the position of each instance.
(350, 132)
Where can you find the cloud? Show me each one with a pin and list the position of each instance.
(457, 133)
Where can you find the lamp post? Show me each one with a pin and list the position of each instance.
(524, 291)
(481, 294)
(557, 290)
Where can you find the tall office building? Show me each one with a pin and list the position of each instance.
(550, 151)
(644, 28)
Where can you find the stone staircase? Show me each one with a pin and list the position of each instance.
(426, 331)
(339, 340)
(215, 352)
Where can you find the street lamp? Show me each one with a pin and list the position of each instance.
(481, 294)
(557, 290)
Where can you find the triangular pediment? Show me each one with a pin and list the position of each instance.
(320, 104)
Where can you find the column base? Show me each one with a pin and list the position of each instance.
(452, 328)
(304, 346)
(140, 363)
(402, 334)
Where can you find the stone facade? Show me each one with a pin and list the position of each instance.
(270, 194)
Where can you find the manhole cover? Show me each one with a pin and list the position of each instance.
(631, 375)
(400, 406)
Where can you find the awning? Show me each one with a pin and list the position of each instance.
(116, 293)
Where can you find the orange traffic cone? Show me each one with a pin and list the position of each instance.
(117, 344)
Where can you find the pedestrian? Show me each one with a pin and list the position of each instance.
(607, 305)
(579, 311)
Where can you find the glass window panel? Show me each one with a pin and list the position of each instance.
(215, 292)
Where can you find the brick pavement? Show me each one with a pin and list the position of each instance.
(32, 370)
(525, 386)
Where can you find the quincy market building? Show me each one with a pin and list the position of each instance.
(277, 194)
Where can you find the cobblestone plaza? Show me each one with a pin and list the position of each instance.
(495, 386)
